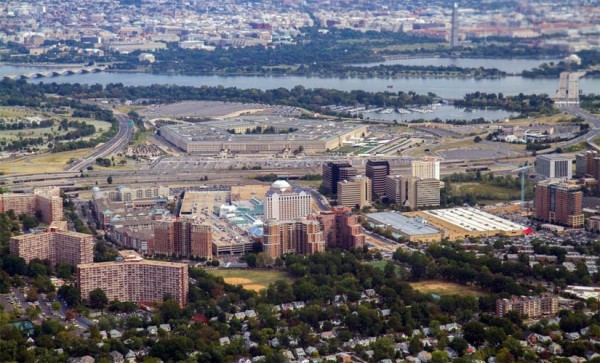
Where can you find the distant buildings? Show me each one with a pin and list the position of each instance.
(426, 168)
(334, 172)
(377, 171)
(357, 192)
(126, 194)
(302, 236)
(182, 238)
(282, 203)
(45, 200)
(530, 306)
(134, 279)
(558, 202)
(341, 228)
(57, 246)
(554, 166)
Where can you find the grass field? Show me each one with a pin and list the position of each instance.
(47, 162)
(483, 191)
(445, 288)
(255, 280)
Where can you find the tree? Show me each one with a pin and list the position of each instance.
(263, 260)
(98, 299)
(109, 180)
(383, 348)
(474, 332)
(170, 310)
(477, 139)
(459, 345)
(439, 356)
(32, 295)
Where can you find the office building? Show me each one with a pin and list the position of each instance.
(426, 168)
(558, 202)
(341, 228)
(554, 166)
(55, 245)
(377, 171)
(454, 27)
(45, 200)
(282, 203)
(301, 236)
(132, 278)
(530, 306)
(334, 172)
(413, 192)
(422, 193)
(393, 189)
(182, 238)
(355, 193)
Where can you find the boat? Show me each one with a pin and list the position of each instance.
(390, 86)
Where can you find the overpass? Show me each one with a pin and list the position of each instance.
(57, 72)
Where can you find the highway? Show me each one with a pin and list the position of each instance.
(115, 144)
(593, 133)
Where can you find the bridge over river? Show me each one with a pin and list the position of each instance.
(57, 72)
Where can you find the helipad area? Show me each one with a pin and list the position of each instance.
(467, 222)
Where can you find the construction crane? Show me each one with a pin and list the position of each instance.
(522, 169)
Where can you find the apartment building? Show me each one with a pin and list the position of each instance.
(334, 172)
(57, 246)
(301, 236)
(132, 278)
(46, 200)
(182, 238)
(377, 171)
(341, 228)
(531, 306)
(355, 192)
(559, 202)
(554, 166)
(426, 168)
(282, 203)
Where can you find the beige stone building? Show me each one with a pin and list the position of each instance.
(355, 192)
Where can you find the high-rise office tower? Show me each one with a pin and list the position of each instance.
(335, 171)
(426, 168)
(355, 192)
(377, 171)
(454, 31)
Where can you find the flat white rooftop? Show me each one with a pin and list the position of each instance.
(475, 220)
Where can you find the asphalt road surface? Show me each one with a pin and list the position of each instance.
(115, 144)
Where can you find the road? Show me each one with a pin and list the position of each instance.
(593, 133)
(115, 144)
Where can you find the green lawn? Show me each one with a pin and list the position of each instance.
(251, 279)
(440, 287)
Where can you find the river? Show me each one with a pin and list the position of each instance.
(451, 88)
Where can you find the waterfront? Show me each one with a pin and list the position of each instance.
(510, 65)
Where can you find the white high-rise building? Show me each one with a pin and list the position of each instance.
(427, 168)
(554, 166)
(281, 203)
